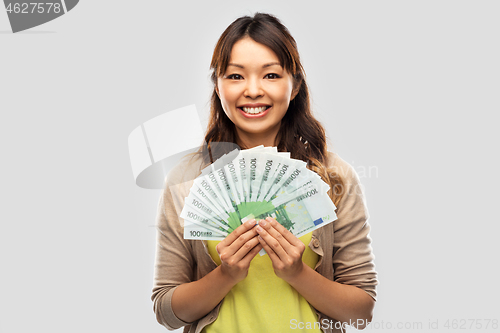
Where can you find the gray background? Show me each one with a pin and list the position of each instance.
(406, 89)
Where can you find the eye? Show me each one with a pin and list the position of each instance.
(234, 77)
(272, 76)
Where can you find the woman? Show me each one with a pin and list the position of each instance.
(261, 98)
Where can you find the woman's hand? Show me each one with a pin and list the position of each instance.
(237, 250)
(284, 249)
(193, 300)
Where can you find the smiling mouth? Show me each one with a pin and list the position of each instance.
(254, 110)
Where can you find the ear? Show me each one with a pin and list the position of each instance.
(295, 90)
(217, 90)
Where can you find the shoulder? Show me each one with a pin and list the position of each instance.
(352, 191)
(187, 169)
(179, 180)
(338, 165)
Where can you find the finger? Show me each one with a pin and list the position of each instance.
(250, 255)
(246, 248)
(272, 255)
(267, 225)
(242, 240)
(272, 242)
(291, 238)
(241, 230)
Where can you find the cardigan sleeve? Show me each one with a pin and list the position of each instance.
(174, 260)
(352, 252)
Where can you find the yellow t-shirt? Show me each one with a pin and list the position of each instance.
(263, 302)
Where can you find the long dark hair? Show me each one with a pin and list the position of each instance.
(300, 133)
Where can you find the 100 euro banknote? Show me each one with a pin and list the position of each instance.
(256, 183)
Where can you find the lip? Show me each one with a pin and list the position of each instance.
(252, 105)
(248, 115)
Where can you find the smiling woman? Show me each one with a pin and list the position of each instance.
(326, 277)
(255, 92)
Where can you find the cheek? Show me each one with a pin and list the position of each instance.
(226, 94)
(283, 93)
(228, 100)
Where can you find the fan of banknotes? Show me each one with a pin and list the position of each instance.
(256, 183)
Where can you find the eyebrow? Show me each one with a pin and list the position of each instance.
(264, 66)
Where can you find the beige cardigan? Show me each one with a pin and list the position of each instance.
(343, 246)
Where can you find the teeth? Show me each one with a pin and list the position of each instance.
(254, 110)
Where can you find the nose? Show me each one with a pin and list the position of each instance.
(253, 88)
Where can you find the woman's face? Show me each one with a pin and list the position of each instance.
(255, 92)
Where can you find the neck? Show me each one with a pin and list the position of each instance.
(250, 140)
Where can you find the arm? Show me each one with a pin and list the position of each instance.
(177, 299)
(351, 296)
(174, 262)
(193, 300)
(343, 302)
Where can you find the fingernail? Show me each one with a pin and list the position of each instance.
(269, 219)
(259, 229)
(262, 223)
(251, 222)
